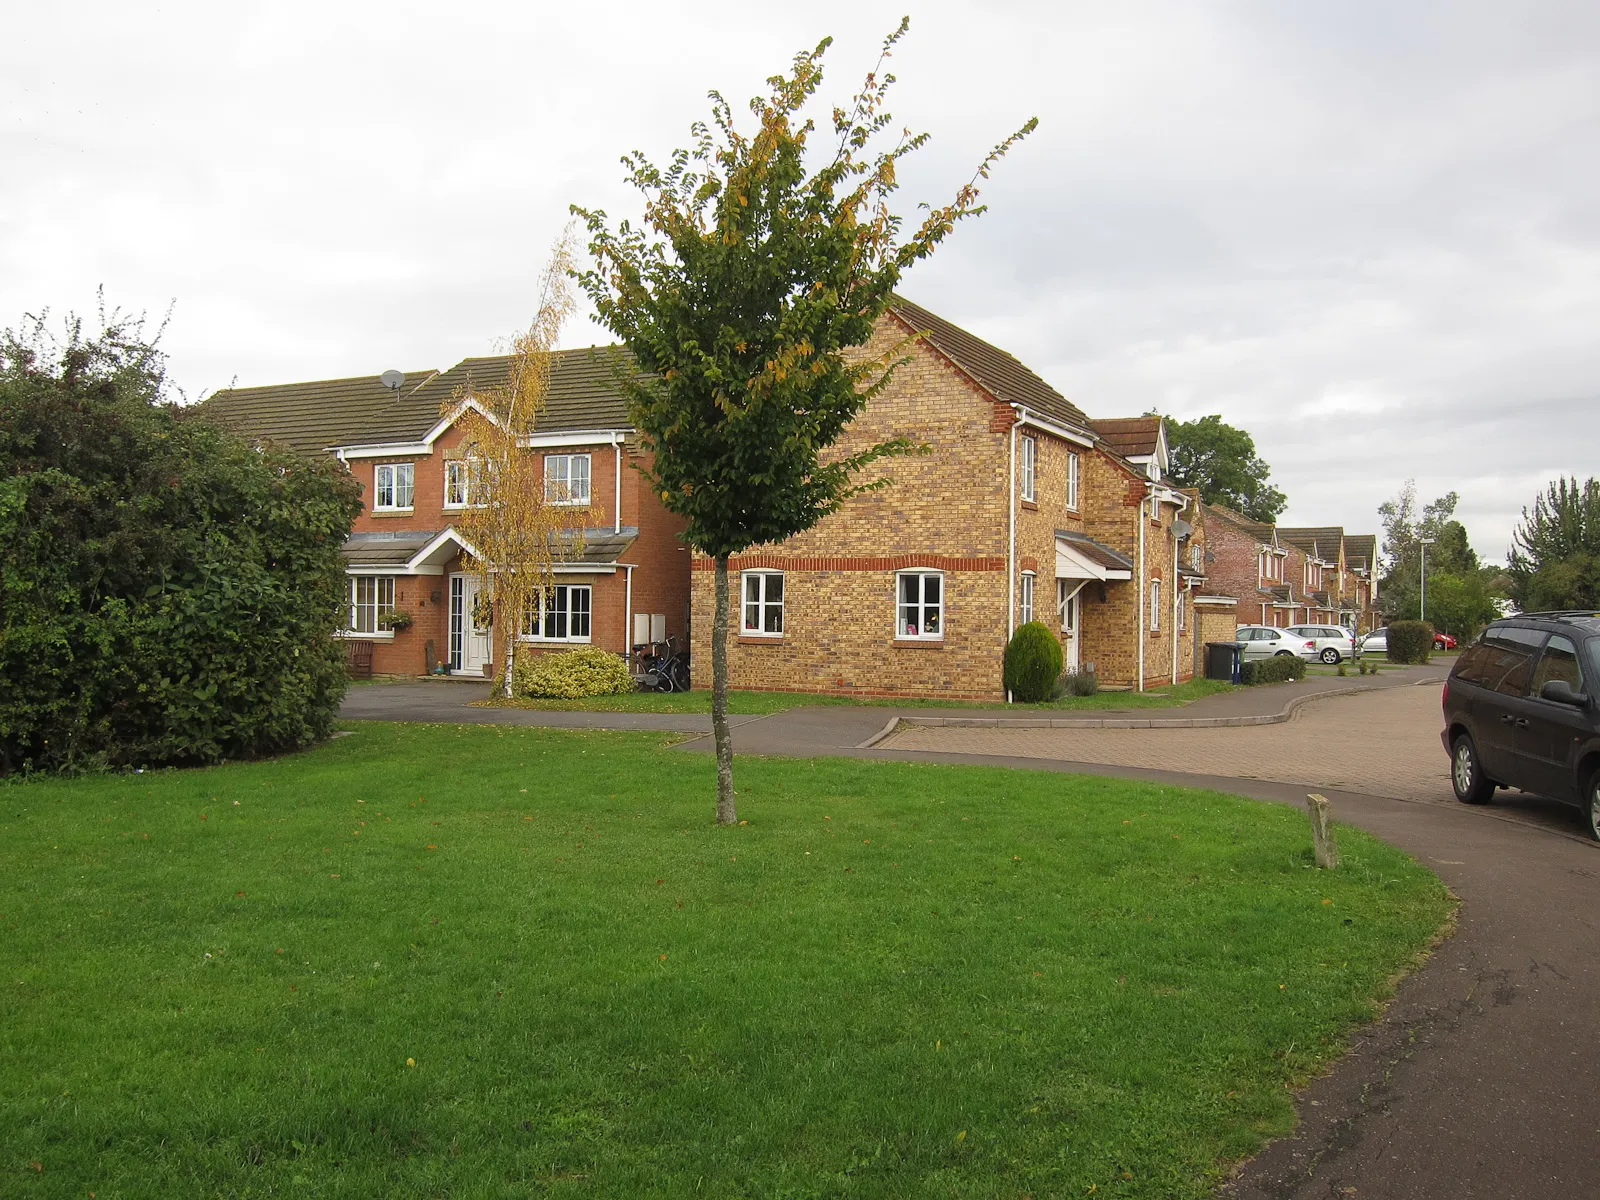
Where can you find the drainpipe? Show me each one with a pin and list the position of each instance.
(1139, 599)
(1176, 582)
(1011, 538)
(627, 619)
(617, 446)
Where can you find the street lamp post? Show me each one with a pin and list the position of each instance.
(1422, 603)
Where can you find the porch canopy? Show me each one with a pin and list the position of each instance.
(1080, 558)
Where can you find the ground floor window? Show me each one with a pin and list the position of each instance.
(559, 614)
(1183, 613)
(920, 613)
(1155, 606)
(371, 600)
(1027, 597)
(763, 604)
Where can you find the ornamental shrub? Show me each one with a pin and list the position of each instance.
(1033, 663)
(1280, 668)
(571, 674)
(1076, 683)
(168, 593)
(1410, 641)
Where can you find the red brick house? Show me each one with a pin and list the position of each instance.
(1023, 508)
(1316, 575)
(404, 555)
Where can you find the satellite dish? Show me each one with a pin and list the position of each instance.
(1181, 529)
(393, 380)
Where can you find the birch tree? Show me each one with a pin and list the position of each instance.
(763, 259)
(517, 525)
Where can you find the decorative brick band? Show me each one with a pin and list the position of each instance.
(899, 562)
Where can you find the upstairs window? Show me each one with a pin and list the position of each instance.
(463, 483)
(566, 479)
(763, 604)
(920, 611)
(1025, 465)
(393, 486)
(1072, 482)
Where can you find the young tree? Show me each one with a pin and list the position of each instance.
(1404, 527)
(519, 524)
(1555, 553)
(1221, 461)
(761, 263)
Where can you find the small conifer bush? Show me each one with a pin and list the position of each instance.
(1410, 641)
(1033, 663)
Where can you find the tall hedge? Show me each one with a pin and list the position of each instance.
(167, 592)
(1033, 663)
(1410, 641)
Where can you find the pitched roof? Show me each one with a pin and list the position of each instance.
(1131, 437)
(309, 417)
(602, 546)
(1320, 541)
(1097, 552)
(998, 373)
(1259, 530)
(1361, 550)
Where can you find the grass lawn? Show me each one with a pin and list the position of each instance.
(480, 961)
(756, 703)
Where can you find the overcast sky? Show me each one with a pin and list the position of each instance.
(1366, 232)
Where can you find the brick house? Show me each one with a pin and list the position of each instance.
(404, 555)
(1023, 508)
(1316, 575)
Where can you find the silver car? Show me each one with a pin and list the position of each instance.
(1265, 641)
(1334, 643)
(1376, 642)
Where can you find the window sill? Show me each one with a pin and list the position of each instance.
(1030, 505)
(900, 643)
(584, 503)
(393, 512)
(760, 639)
(525, 640)
(383, 635)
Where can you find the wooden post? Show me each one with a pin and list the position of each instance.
(1327, 850)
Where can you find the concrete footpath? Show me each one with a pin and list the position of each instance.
(1480, 1079)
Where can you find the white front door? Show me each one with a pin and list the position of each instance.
(471, 638)
(1068, 593)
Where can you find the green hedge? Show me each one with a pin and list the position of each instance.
(1410, 641)
(1280, 668)
(571, 674)
(168, 594)
(1033, 663)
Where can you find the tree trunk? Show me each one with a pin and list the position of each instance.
(727, 814)
(511, 651)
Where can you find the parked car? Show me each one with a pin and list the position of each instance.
(1376, 642)
(1443, 641)
(1264, 641)
(1334, 643)
(1520, 711)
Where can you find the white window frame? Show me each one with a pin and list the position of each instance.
(560, 482)
(1183, 611)
(920, 605)
(1072, 481)
(371, 599)
(1155, 606)
(401, 485)
(564, 606)
(1067, 605)
(1027, 466)
(1025, 598)
(465, 473)
(760, 605)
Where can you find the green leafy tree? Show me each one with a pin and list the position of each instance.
(1404, 528)
(762, 261)
(1459, 604)
(1221, 461)
(168, 593)
(1555, 551)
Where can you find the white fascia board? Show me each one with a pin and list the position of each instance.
(1218, 601)
(384, 450)
(451, 418)
(396, 569)
(1024, 417)
(580, 437)
(585, 569)
(418, 563)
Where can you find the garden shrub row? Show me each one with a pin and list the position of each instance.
(1280, 668)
